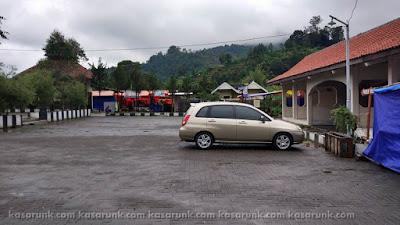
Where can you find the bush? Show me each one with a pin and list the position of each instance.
(343, 119)
(14, 94)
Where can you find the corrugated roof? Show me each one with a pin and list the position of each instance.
(103, 93)
(382, 38)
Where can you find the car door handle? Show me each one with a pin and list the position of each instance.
(242, 122)
(212, 121)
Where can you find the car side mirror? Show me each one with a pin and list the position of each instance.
(262, 118)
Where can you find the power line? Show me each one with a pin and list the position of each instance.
(158, 47)
(351, 16)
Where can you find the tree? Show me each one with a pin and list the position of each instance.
(3, 34)
(152, 84)
(337, 34)
(120, 81)
(172, 89)
(270, 47)
(99, 76)
(186, 84)
(137, 81)
(225, 58)
(14, 94)
(42, 85)
(61, 84)
(257, 75)
(314, 22)
(122, 78)
(174, 50)
(59, 48)
(75, 95)
(204, 96)
(272, 104)
(314, 36)
(258, 51)
(7, 71)
(180, 62)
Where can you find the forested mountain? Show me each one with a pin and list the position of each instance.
(179, 62)
(202, 71)
(263, 62)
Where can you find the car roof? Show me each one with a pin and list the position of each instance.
(201, 104)
(220, 103)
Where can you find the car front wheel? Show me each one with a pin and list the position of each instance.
(204, 140)
(282, 141)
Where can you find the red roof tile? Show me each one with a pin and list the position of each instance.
(382, 38)
(65, 68)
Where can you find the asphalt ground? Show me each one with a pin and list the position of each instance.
(106, 169)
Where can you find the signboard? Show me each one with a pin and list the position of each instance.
(367, 91)
(160, 93)
(245, 93)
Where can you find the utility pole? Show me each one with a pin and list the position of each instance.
(348, 92)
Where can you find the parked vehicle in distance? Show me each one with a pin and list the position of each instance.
(229, 122)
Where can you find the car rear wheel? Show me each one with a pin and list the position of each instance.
(282, 141)
(204, 140)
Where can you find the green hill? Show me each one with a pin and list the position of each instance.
(180, 62)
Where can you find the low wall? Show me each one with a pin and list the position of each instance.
(16, 120)
(10, 121)
(67, 115)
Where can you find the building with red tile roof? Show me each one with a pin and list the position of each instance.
(320, 77)
(64, 68)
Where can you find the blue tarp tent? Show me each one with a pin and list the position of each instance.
(385, 146)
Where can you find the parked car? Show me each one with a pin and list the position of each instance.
(209, 122)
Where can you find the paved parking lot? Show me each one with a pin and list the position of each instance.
(91, 167)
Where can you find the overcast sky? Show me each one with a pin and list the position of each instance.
(105, 24)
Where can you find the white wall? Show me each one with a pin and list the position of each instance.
(373, 72)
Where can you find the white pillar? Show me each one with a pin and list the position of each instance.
(294, 101)
(354, 91)
(283, 100)
(308, 104)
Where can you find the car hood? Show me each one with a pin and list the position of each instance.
(284, 124)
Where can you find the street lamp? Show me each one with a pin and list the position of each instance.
(348, 93)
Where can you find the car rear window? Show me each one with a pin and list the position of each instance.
(222, 111)
(202, 112)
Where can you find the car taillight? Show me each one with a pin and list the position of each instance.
(184, 121)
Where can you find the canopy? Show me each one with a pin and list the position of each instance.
(385, 146)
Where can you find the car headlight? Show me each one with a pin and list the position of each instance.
(299, 128)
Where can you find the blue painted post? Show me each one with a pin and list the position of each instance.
(5, 125)
(14, 121)
(316, 140)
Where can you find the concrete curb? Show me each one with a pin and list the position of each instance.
(14, 121)
(7, 121)
(148, 114)
(315, 137)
